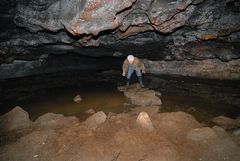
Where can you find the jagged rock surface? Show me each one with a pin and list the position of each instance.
(153, 29)
(211, 68)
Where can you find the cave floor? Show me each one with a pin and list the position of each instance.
(177, 137)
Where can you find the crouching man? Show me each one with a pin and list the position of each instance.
(133, 64)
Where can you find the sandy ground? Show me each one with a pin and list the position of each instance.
(176, 136)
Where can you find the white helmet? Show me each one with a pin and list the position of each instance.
(130, 58)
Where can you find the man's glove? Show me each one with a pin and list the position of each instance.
(143, 72)
(124, 74)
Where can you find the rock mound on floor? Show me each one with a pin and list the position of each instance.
(15, 119)
(53, 120)
(95, 120)
(144, 121)
(141, 96)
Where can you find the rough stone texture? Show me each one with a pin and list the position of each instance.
(184, 121)
(48, 118)
(92, 16)
(140, 96)
(53, 121)
(211, 68)
(16, 119)
(153, 29)
(217, 140)
(36, 64)
(95, 120)
(202, 135)
(76, 16)
(209, 19)
(226, 122)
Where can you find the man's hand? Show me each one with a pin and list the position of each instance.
(143, 72)
(124, 74)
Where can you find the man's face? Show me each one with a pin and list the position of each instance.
(131, 61)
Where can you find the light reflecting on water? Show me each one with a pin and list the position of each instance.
(97, 97)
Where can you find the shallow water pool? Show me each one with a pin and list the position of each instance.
(104, 96)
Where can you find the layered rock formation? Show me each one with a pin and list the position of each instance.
(172, 31)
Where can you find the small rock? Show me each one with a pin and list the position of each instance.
(16, 119)
(226, 122)
(95, 120)
(144, 121)
(90, 112)
(77, 98)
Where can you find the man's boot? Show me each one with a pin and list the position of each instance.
(128, 82)
(140, 81)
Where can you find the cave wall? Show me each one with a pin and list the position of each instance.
(197, 38)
